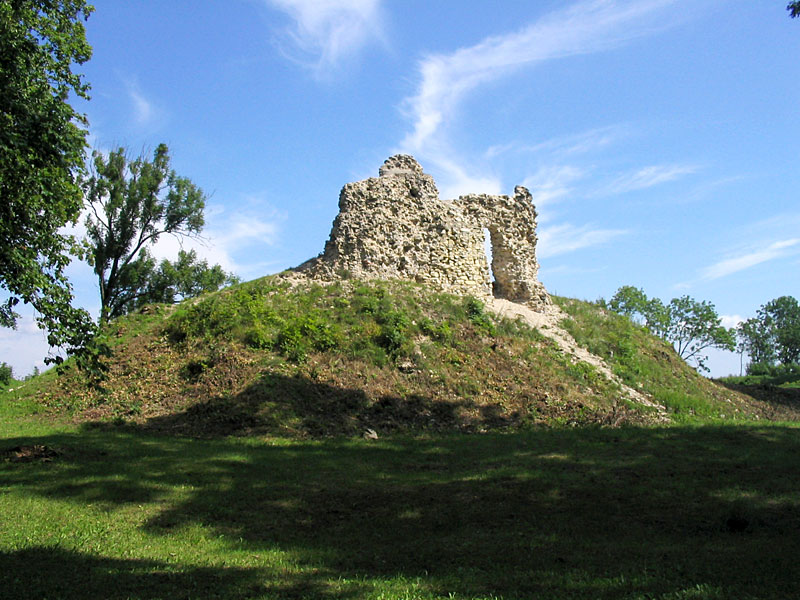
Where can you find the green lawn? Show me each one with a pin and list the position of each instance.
(679, 512)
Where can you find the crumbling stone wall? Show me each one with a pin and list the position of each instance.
(396, 227)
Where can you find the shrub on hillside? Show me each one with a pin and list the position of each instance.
(6, 373)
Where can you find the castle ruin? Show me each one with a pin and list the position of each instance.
(395, 227)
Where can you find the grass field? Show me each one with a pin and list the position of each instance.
(492, 477)
(646, 513)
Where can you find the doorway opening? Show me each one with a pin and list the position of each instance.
(488, 250)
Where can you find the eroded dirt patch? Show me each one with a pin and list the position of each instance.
(31, 453)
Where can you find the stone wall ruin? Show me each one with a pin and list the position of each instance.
(395, 227)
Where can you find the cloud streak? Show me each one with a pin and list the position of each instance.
(584, 28)
(229, 237)
(776, 250)
(145, 112)
(565, 238)
(648, 177)
(567, 145)
(325, 32)
(550, 184)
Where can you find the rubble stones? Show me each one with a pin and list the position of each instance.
(396, 227)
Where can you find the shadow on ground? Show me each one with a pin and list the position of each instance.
(37, 573)
(710, 512)
(302, 407)
(777, 403)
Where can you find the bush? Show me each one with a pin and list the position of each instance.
(394, 331)
(306, 333)
(6, 373)
(477, 316)
(759, 368)
(790, 370)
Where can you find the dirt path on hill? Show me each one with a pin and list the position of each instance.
(547, 323)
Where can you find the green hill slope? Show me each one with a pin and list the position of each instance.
(280, 357)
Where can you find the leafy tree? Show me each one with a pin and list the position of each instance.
(42, 141)
(690, 326)
(187, 277)
(772, 336)
(756, 341)
(694, 327)
(133, 203)
(634, 303)
(779, 320)
(794, 8)
(629, 301)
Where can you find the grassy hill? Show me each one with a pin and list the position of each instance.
(283, 357)
(97, 501)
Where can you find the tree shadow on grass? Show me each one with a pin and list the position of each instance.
(57, 573)
(300, 406)
(775, 402)
(592, 513)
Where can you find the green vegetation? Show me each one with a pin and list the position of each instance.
(283, 357)
(103, 493)
(648, 364)
(6, 374)
(761, 374)
(42, 141)
(280, 357)
(772, 336)
(592, 513)
(377, 323)
(778, 385)
(690, 326)
(133, 203)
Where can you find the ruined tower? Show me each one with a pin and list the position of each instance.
(395, 227)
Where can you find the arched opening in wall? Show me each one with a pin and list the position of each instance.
(487, 247)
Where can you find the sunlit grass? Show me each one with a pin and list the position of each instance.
(679, 512)
(649, 364)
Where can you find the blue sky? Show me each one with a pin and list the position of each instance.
(660, 138)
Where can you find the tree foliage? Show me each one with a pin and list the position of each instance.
(754, 339)
(186, 277)
(694, 327)
(773, 335)
(133, 203)
(42, 141)
(6, 373)
(634, 304)
(690, 326)
(794, 8)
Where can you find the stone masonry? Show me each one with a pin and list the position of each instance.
(396, 227)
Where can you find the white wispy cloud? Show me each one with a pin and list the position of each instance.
(572, 144)
(26, 346)
(729, 321)
(585, 27)
(445, 80)
(145, 112)
(552, 183)
(233, 241)
(459, 180)
(561, 239)
(325, 32)
(751, 258)
(648, 177)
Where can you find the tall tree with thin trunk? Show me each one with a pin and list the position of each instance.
(133, 203)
